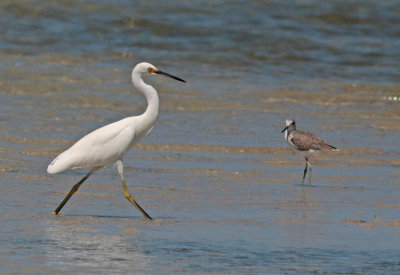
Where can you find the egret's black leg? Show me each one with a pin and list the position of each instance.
(73, 190)
(128, 196)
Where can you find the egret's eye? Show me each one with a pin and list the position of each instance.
(151, 70)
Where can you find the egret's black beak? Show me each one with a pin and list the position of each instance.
(284, 129)
(168, 75)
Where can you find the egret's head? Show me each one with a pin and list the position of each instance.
(290, 125)
(146, 68)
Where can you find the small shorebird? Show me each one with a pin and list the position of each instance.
(305, 144)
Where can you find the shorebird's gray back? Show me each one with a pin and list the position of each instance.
(305, 141)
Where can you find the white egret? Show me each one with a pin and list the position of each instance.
(305, 144)
(108, 144)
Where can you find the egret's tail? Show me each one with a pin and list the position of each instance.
(61, 163)
(52, 168)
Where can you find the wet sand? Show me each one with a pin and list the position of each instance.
(231, 202)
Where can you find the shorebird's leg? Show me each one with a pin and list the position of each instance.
(305, 171)
(309, 173)
(120, 169)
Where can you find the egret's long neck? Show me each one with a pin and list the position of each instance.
(151, 95)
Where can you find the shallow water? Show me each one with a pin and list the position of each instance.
(215, 172)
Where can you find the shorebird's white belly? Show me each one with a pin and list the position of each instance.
(306, 154)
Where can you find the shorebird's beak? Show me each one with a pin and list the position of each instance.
(168, 75)
(284, 129)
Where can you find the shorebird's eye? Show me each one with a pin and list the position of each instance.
(151, 70)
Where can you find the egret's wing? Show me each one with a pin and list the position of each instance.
(148, 131)
(99, 148)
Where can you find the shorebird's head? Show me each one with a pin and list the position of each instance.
(290, 125)
(147, 68)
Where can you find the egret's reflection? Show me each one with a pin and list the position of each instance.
(94, 242)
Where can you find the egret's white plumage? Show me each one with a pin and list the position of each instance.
(99, 148)
(108, 144)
